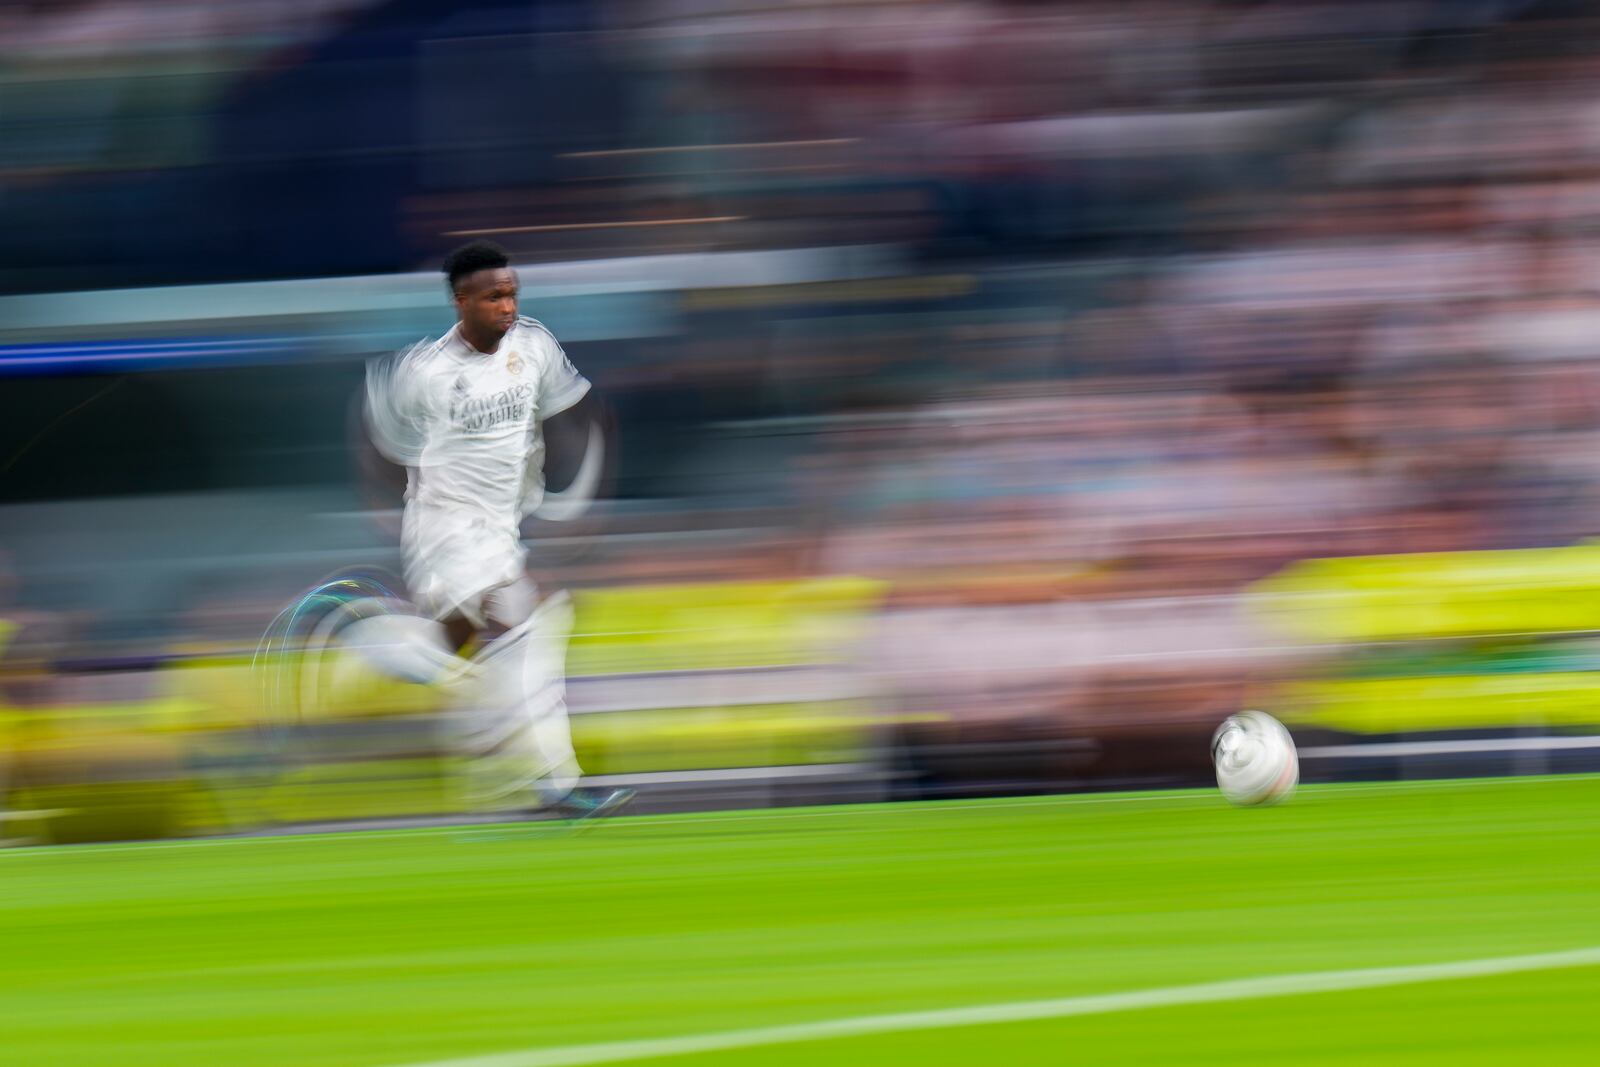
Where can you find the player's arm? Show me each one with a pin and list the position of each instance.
(389, 428)
(578, 459)
(577, 439)
(397, 407)
(380, 481)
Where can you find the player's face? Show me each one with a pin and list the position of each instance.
(487, 303)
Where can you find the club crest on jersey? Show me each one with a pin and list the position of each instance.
(514, 363)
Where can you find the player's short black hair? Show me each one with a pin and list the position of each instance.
(472, 257)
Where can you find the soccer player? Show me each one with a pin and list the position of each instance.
(477, 418)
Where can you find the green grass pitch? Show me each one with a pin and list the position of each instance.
(425, 947)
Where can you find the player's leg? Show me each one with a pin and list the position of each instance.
(544, 687)
(514, 726)
(304, 668)
(518, 731)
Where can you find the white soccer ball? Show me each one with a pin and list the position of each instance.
(1255, 759)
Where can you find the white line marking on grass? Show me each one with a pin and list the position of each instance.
(1281, 985)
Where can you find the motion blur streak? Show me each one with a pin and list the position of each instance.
(1004, 392)
(990, 399)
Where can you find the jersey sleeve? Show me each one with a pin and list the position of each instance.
(560, 384)
(397, 406)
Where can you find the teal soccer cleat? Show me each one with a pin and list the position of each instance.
(588, 804)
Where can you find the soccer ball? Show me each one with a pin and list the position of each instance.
(1255, 759)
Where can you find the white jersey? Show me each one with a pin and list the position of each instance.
(467, 426)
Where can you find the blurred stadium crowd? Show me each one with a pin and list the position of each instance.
(1162, 296)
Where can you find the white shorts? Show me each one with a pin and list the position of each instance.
(454, 558)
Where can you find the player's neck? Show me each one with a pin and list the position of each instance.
(485, 344)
